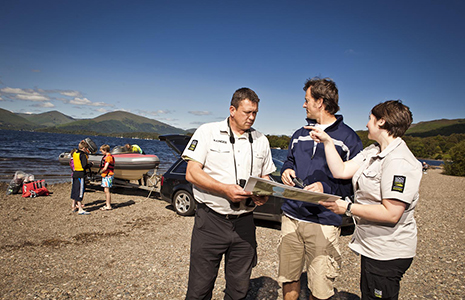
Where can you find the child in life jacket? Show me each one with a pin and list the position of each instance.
(80, 165)
(107, 170)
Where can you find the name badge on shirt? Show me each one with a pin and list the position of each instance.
(193, 145)
(398, 184)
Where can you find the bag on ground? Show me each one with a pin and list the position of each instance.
(35, 188)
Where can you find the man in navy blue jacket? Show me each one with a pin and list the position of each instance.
(310, 232)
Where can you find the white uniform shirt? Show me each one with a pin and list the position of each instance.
(210, 145)
(392, 174)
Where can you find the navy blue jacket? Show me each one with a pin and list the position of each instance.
(311, 167)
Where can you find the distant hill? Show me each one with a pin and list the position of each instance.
(48, 119)
(114, 123)
(444, 127)
(12, 121)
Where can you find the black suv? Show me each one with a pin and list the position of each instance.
(176, 190)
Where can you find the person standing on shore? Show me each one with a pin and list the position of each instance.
(80, 165)
(107, 170)
(386, 177)
(310, 232)
(221, 156)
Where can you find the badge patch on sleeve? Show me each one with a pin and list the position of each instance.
(193, 145)
(398, 184)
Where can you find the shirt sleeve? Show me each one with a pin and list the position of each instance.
(197, 147)
(400, 180)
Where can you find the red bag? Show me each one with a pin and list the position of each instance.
(35, 188)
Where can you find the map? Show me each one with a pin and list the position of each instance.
(263, 187)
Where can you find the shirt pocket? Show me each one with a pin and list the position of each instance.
(370, 182)
(220, 156)
(258, 159)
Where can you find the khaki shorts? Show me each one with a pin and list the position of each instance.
(314, 246)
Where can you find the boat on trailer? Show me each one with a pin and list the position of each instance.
(128, 166)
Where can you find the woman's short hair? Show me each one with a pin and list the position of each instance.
(326, 89)
(397, 117)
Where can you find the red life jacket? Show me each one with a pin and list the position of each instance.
(111, 166)
(35, 188)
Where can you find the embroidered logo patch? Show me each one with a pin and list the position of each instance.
(378, 293)
(193, 145)
(398, 184)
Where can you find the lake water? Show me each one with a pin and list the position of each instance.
(37, 153)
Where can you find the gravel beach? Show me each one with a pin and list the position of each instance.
(140, 249)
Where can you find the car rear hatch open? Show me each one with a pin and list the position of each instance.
(177, 142)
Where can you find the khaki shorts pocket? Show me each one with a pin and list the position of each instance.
(333, 268)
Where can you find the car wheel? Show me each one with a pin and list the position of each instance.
(184, 203)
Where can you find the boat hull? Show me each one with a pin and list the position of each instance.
(128, 166)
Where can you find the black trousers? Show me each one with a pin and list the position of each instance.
(212, 237)
(381, 279)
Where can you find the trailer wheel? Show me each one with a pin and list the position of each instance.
(184, 203)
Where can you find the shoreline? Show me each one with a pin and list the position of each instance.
(140, 249)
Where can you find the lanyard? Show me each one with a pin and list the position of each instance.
(232, 140)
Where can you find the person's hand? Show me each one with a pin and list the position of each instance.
(259, 200)
(286, 177)
(235, 193)
(318, 135)
(315, 187)
(339, 206)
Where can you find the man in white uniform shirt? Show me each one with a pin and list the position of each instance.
(221, 157)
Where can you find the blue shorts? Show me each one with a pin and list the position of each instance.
(107, 181)
(78, 188)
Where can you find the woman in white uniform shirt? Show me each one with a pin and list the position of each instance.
(386, 179)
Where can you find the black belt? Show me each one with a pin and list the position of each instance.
(227, 217)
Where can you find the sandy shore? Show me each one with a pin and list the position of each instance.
(140, 250)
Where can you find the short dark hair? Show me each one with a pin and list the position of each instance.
(82, 145)
(397, 117)
(242, 94)
(326, 89)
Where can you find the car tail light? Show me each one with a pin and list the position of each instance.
(162, 180)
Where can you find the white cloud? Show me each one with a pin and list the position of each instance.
(9, 90)
(80, 101)
(102, 110)
(200, 113)
(71, 93)
(45, 105)
(24, 94)
(159, 112)
(32, 97)
(85, 101)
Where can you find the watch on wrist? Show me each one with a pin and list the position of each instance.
(348, 212)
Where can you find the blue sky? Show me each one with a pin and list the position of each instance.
(179, 62)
